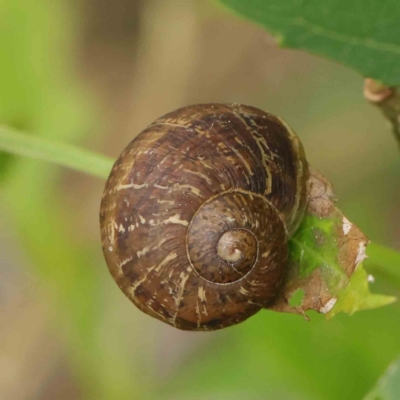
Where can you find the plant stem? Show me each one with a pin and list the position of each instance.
(388, 100)
(385, 262)
(23, 144)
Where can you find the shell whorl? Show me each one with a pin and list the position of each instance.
(197, 211)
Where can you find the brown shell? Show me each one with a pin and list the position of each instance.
(197, 211)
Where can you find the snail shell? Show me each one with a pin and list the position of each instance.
(197, 212)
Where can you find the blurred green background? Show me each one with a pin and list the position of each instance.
(95, 73)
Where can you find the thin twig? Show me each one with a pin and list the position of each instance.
(388, 100)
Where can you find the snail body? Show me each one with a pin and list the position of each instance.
(197, 212)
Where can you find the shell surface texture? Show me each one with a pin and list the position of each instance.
(197, 212)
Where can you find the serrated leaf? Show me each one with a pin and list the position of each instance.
(388, 386)
(325, 260)
(363, 35)
(356, 295)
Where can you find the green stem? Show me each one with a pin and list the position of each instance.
(385, 262)
(23, 144)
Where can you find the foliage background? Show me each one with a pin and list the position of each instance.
(95, 73)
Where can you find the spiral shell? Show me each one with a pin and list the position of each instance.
(197, 212)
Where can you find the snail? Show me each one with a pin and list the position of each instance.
(197, 213)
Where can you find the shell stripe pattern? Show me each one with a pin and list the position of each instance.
(197, 212)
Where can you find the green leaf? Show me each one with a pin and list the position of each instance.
(363, 35)
(325, 261)
(388, 386)
(314, 245)
(356, 296)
